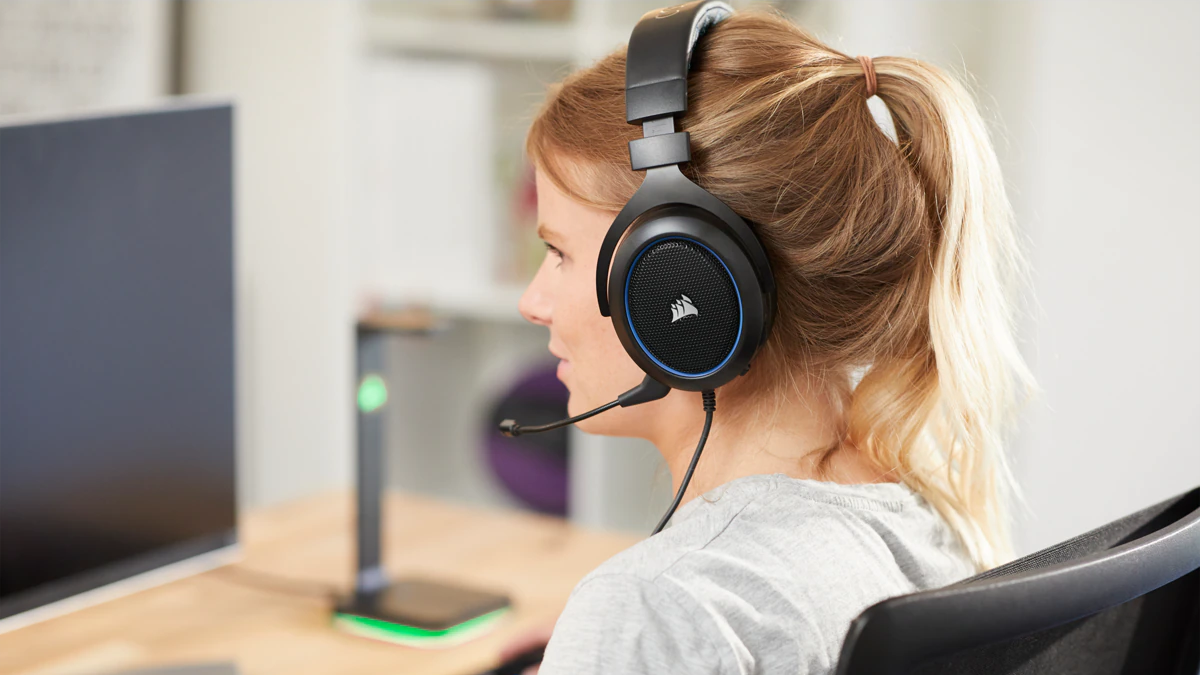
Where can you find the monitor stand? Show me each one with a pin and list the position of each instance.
(417, 612)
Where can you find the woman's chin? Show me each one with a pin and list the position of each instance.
(610, 423)
(591, 425)
(575, 404)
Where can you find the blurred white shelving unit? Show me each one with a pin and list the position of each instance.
(448, 101)
(592, 29)
(451, 83)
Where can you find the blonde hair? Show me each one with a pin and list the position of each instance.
(894, 260)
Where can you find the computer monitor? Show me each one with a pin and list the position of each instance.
(117, 425)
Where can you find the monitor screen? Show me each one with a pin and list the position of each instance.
(117, 447)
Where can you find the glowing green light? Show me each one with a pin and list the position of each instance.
(418, 637)
(372, 393)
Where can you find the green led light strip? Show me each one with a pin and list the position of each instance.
(411, 635)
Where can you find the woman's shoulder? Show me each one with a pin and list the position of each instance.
(778, 526)
(774, 568)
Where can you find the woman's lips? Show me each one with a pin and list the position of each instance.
(564, 367)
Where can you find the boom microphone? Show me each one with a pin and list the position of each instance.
(649, 390)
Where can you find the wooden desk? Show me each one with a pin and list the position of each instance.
(219, 615)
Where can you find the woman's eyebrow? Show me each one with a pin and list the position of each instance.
(545, 233)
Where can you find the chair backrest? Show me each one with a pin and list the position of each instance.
(1121, 599)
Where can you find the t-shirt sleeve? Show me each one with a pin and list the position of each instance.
(620, 624)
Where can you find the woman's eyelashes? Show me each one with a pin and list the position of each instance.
(554, 252)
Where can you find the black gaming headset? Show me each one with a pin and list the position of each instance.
(687, 284)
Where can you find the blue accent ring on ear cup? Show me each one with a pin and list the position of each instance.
(633, 330)
(665, 188)
(707, 356)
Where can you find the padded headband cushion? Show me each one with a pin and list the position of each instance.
(712, 14)
(660, 54)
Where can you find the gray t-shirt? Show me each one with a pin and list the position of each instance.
(760, 575)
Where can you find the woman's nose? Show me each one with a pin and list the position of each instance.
(535, 304)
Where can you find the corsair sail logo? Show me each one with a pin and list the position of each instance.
(682, 307)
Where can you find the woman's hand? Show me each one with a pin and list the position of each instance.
(537, 636)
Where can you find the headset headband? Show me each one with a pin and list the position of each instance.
(659, 55)
(657, 61)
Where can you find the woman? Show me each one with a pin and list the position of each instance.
(860, 458)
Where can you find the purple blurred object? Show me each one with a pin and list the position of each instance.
(533, 468)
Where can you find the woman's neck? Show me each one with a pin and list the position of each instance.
(790, 437)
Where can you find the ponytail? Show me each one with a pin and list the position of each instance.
(946, 405)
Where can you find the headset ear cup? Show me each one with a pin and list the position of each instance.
(686, 302)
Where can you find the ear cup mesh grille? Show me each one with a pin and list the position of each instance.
(683, 306)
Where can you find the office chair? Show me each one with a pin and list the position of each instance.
(1121, 599)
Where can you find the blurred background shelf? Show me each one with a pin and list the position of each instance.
(495, 303)
(476, 38)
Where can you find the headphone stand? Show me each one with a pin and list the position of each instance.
(416, 612)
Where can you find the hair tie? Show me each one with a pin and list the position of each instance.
(868, 70)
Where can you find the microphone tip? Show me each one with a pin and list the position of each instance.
(510, 428)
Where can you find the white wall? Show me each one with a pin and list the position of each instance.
(72, 56)
(289, 66)
(1113, 155)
